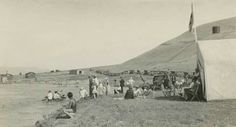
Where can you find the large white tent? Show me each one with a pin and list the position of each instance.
(217, 65)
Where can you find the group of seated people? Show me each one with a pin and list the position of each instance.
(55, 96)
(183, 86)
(131, 93)
(192, 89)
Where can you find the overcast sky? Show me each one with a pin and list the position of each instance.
(66, 34)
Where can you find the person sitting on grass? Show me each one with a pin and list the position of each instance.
(56, 96)
(118, 90)
(138, 92)
(70, 107)
(147, 91)
(83, 93)
(50, 95)
(129, 93)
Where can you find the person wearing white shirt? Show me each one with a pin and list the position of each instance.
(56, 96)
(83, 93)
(131, 82)
(96, 81)
(50, 95)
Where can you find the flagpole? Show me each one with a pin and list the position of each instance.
(195, 26)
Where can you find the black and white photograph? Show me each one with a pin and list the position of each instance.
(117, 63)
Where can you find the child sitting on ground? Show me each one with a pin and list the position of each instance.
(83, 93)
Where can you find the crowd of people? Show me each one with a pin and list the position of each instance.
(98, 87)
(101, 87)
(180, 84)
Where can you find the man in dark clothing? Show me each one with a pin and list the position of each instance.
(173, 79)
(166, 83)
(90, 86)
(122, 84)
(129, 93)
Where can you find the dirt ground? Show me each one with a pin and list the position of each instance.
(155, 111)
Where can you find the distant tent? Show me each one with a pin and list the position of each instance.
(217, 65)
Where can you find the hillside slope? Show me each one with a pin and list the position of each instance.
(180, 52)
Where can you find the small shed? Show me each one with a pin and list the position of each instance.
(73, 72)
(76, 72)
(30, 75)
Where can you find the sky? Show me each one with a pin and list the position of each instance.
(65, 34)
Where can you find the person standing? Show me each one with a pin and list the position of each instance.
(131, 82)
(107, 86)
(122, 84)
(90, 86)
(95, 92)
(96, 81)
(114, 82)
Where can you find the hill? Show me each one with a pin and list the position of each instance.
(179, 53)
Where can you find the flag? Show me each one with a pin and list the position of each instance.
(191, 22)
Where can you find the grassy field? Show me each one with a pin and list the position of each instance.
(155, 111)
(107, 111)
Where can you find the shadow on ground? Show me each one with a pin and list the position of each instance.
(171, 98)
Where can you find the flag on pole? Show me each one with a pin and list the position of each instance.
(191, 22)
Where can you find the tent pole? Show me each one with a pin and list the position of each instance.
(194, 24)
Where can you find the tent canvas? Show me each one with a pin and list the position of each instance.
(217, 65)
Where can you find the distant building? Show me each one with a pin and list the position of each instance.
(76, 72)
(73, 72)
(30, 75)
(57, 71)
